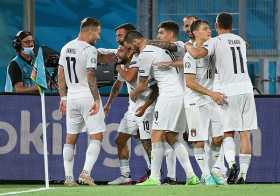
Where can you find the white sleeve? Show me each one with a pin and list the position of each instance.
(189, 64)
(107, 51)
(62, 60)
(180, 50)
(210, 45)
(145, 62)
(91, 55)
(134, 62)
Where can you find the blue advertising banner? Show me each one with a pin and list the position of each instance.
(21, 143)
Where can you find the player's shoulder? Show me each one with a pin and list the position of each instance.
(180, 43)
(150, 49)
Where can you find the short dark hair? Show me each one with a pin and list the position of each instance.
(131, 35)
(127, 26)
(224, 20)
(170, 26)
(89, 22)
(196, 24)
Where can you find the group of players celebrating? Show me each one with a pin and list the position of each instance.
(199, 90)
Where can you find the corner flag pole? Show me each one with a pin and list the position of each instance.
(38, 76)
(44, 126)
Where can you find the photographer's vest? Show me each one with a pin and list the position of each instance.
(25, 69)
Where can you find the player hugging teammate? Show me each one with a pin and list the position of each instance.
(201, 87)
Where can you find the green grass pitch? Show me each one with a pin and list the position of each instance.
(199, 190)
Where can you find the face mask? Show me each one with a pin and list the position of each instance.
(28, 51)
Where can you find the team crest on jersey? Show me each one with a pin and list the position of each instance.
(93, 60)
(188, 65)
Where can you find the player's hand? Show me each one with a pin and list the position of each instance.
(133, 96)
(219, 98)
(164, 65)
(140, 111)
(62, 106)
(188, 45)
(107, 107)
(94, 108)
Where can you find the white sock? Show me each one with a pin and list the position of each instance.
(215, 154)
(171, 164)
(68, 158)
(200, 155)
(93, 151)
(229, 150)
(183, 157)
(244, 161)
(124, 167)
(157, 156)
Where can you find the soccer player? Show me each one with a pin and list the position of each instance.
(239, 114)
(201, 111)
(80, 99)
(187, 22)
(168, 32)
(129, 125)
(169, 105)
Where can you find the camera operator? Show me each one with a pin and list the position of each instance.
(20, 67)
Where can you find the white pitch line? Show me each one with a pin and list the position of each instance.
(27, 191)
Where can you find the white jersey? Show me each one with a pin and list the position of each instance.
(204, 70)
(168, 80)
(231, 64)
(75, 57)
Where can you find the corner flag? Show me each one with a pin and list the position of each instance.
(38, 74)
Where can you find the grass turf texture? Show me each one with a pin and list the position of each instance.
(199, 190)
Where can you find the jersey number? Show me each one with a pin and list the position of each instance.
(233, 51)
(146, 125)
(72, 60)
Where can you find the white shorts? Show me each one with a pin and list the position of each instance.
(131, 123)
(169, 114)
(78, 118)
(203, 121)
(239, 114)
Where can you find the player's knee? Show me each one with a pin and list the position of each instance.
(97, 136)
(171, 138)
(147, 145)
(198, 144)
(217, 141)
(71, 139)
(68, 152)
(229, 134)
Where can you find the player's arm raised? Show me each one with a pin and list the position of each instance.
(62, 89)
(172, 47)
